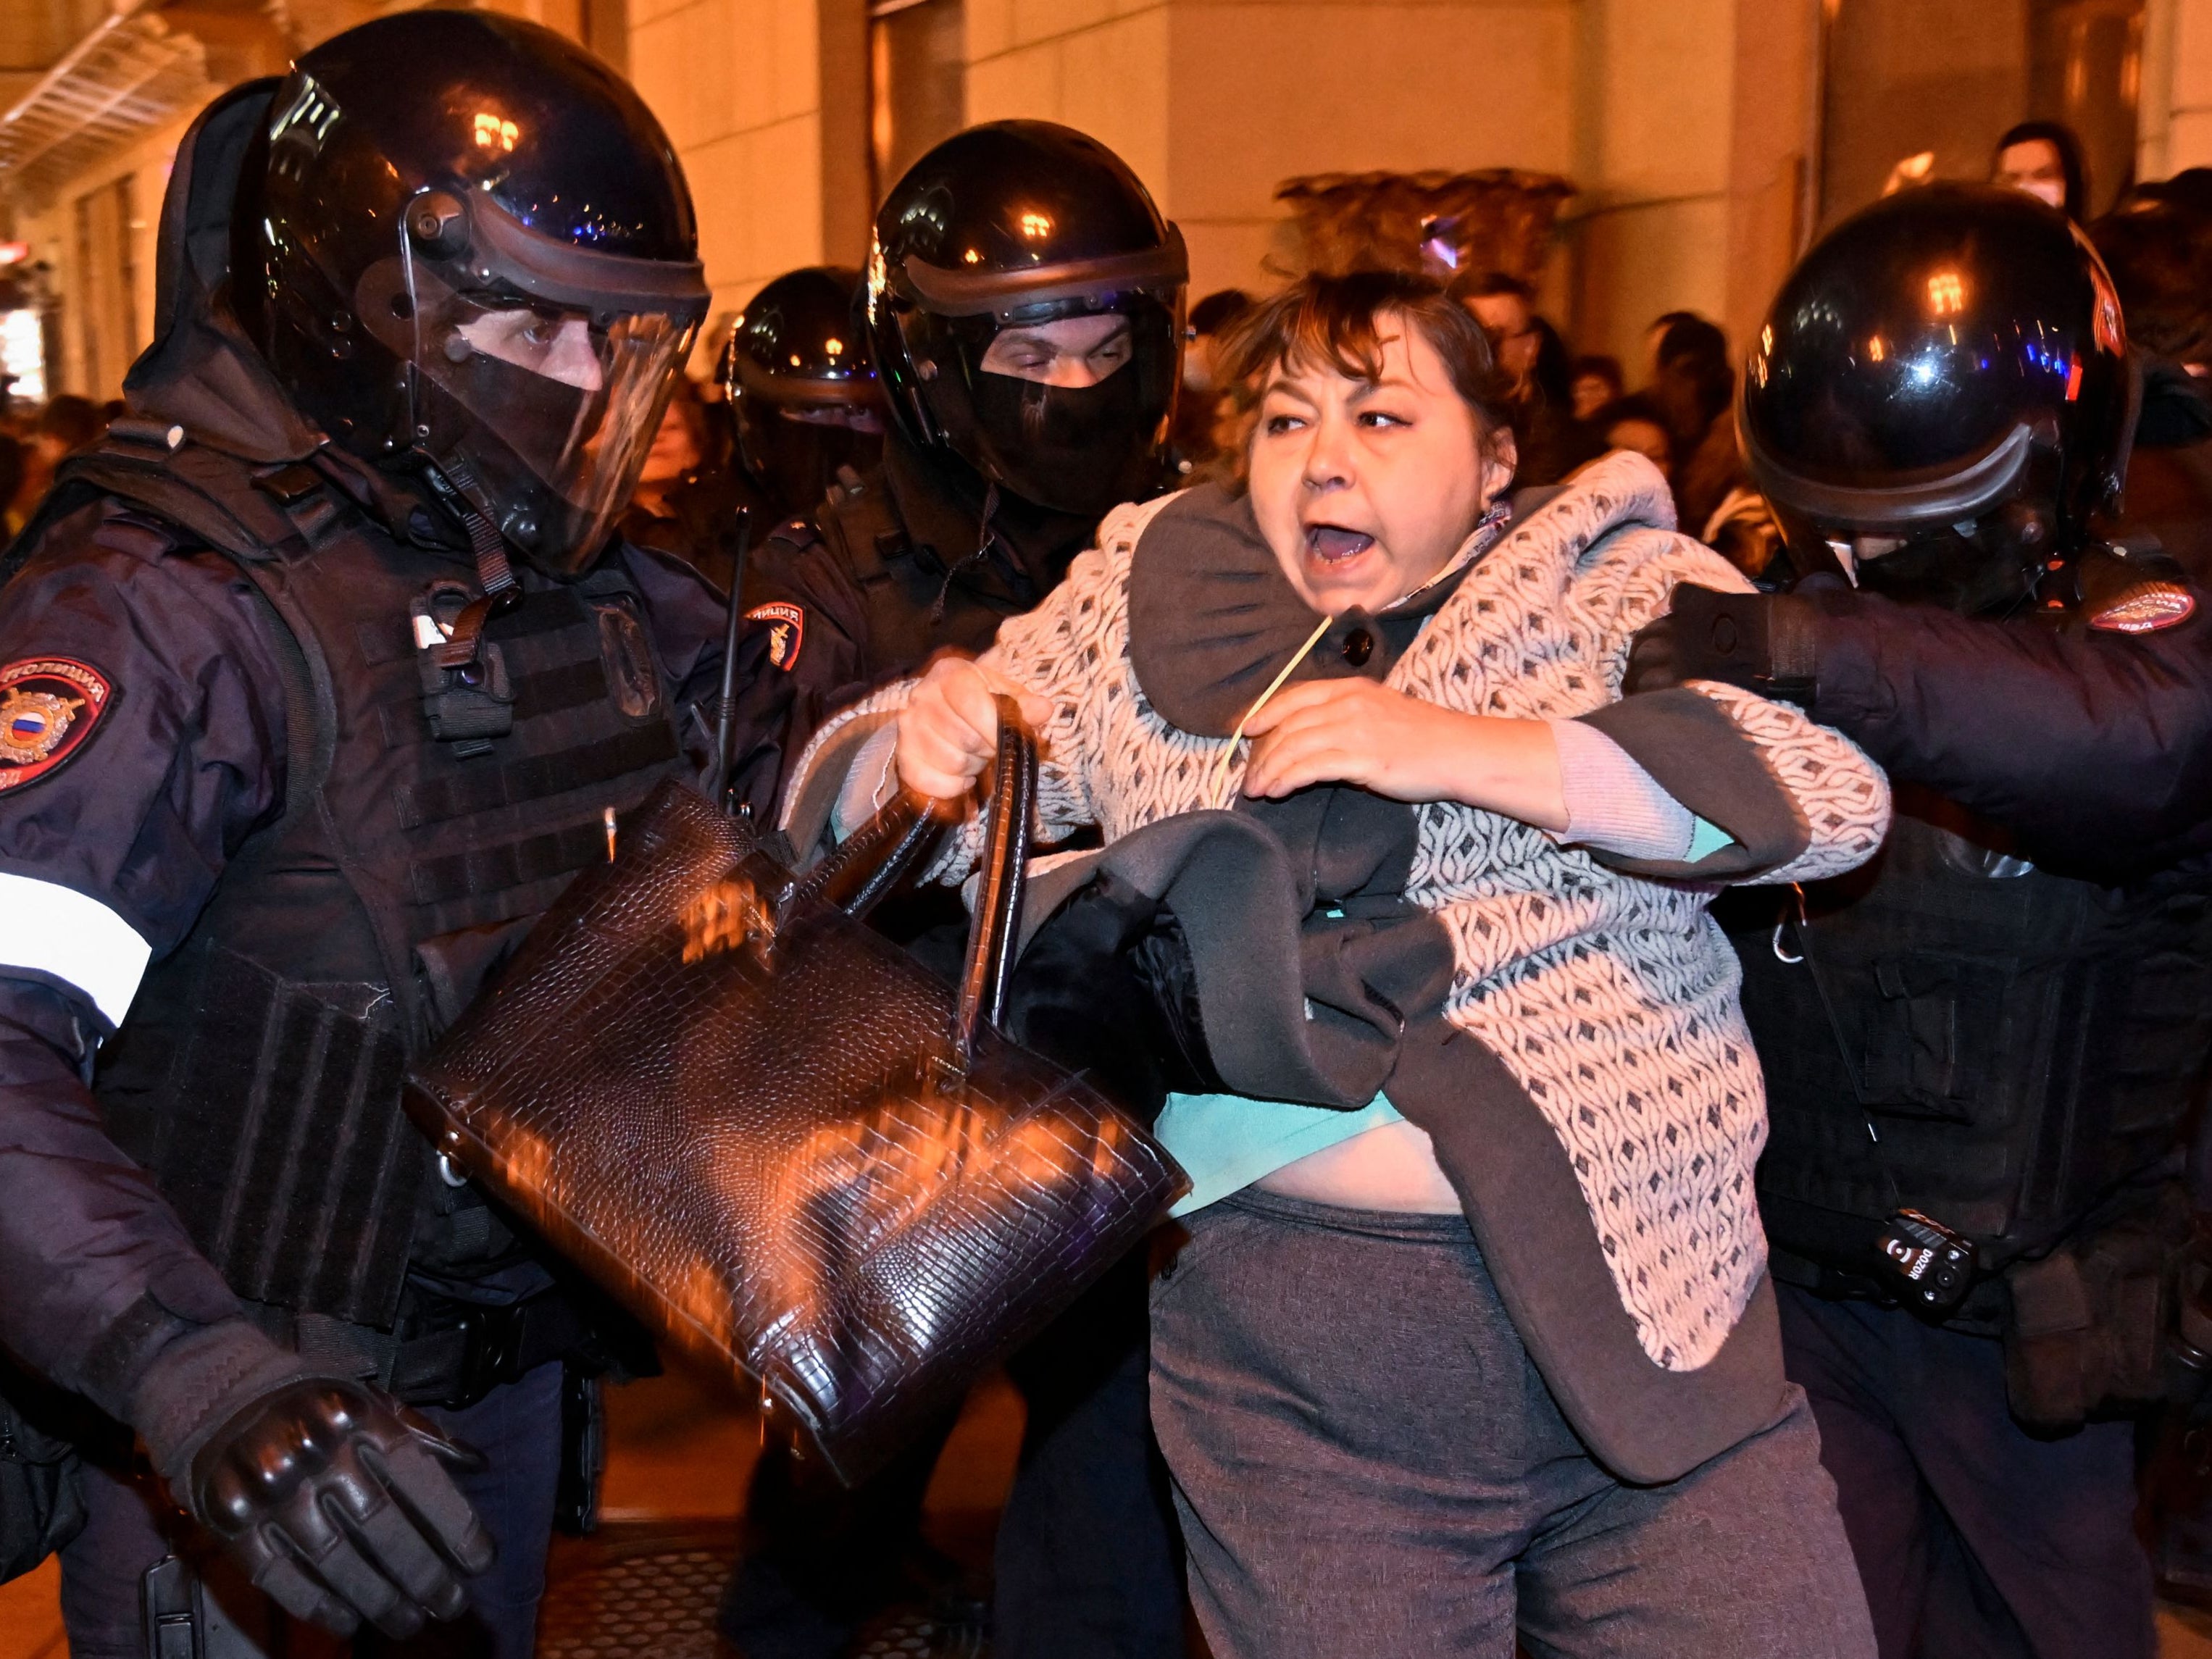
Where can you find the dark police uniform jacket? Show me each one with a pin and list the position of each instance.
(212, 967)
(2006, 1020)
(894, 565)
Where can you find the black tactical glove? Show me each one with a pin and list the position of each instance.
(329, 1493)
(1764, 642)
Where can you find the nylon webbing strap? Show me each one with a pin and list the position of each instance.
(455, 484)
(455, 481)
(533, 779)
(549, 691)
(547, 611)
(499, 869)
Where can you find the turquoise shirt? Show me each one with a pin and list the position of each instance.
(1226, 1142)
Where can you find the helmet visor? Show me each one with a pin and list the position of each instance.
(562, 405)
(552, 402)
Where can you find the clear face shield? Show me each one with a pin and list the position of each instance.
(540, 372)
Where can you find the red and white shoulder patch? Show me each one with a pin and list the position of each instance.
(787, 631)
(49, 710)
(2146, 609)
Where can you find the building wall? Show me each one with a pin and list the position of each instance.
(2175, 120)
(1690, 196)
(1216, 102)
(51, 232)
(1689, 126)
(738, 84)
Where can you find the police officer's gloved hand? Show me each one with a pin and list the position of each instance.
(1764, 642)
(330, 1495)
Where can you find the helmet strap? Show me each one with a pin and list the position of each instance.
(985, 535)
(454, 483)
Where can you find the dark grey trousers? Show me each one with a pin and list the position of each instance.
(1367, 1463)
(1977, 1540)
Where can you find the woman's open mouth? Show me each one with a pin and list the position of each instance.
(1333, 544)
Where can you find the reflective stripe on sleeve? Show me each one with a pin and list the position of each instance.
(59, 931)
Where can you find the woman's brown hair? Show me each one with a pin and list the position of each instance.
(1339, 323)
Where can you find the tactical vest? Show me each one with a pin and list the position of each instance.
(258, 1074)
(2000, 1047)
(913, 608)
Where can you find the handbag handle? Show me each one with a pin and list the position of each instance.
(994, 936)
(875, 858)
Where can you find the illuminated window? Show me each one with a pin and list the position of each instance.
(493, 133)
(23, 353)
(1947, 293)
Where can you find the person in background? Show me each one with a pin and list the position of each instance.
(67, 424)
(1023, 313)
(679, 450)
(12, 468)
(1654, 334)
(1592, 383)
(1635, 422)
(1533, 362)
(686, 502)
(2043, 158)
(1203, 418)
(805, 415)
(1506, 307)
(1694, 387)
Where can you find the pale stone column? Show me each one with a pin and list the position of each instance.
(2175, 118)
(738, 85)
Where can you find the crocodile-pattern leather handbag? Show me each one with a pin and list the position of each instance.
(778, 1139)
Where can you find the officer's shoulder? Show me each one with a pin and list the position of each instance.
(100, 532)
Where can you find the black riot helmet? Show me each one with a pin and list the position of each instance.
(463, 244)
(1943, 394)
(802, 392)
(1005, 226)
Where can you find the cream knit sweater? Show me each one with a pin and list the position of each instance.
(1611, 997)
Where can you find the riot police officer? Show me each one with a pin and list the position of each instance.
(804, 407)
(319, 688)
(1981, 1050)
(1023, 305)
(800, 407)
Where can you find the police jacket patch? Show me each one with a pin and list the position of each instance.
(787, 631)
(49, 706)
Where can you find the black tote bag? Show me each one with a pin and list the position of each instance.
(779, 1140)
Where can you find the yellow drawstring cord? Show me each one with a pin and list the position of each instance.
(1214, 792)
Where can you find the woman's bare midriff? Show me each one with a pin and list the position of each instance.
(1390, 1167)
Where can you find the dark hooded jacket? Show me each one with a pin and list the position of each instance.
(114, 839)
(912, 557)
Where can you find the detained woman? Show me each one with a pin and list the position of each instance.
(1470, 1333)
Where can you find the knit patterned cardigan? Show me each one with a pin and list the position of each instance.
(1611, 997)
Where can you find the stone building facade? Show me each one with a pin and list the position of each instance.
(1707, 139)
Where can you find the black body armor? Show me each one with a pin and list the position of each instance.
(427, 823)
(912, 607)
(2011, 1052)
